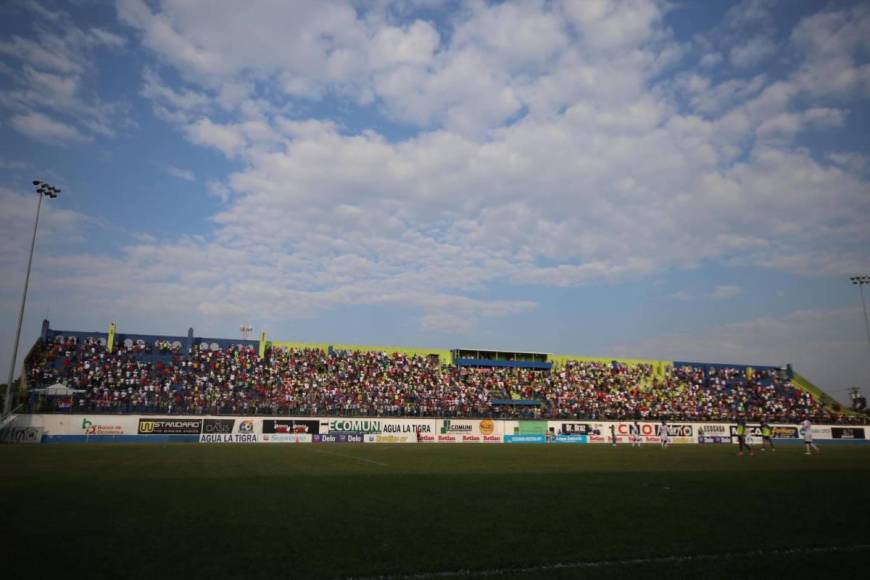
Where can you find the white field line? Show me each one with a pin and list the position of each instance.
(613, 563)
(348, 456)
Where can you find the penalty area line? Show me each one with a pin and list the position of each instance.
(349, 457)
(614, 563)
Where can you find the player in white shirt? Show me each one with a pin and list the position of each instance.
(634, 432)
(807, 431)
(664, 438)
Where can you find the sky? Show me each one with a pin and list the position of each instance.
(631, 178)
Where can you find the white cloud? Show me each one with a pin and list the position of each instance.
(51, 69)
(58, 227)
(184, 174)
(218, 190)
(183, 102)
(226, 138)
(832, 42)
(726, 292)
(748, 13)
(413, 45)
(614, 24)
(106, 38)
(752, 52)
(42, 128)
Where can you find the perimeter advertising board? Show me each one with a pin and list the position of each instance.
(713, 433)
(384, 430)
(96, 428)
(571, 439)
(170, 426)
(470, 427)
(853, 433)
(294, 426)
(525, 438)
(217, 426)
(338, 438)
(578, 428)
(12, 434)
(627, 432)
(286, 438)
(228, 438)
(678, 432)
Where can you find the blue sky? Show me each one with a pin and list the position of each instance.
(675, 180)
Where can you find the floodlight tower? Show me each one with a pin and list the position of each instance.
(42, 190)
(860, 282)
(246, 330)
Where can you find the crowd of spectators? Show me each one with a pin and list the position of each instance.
(159, 378)
(618, 391)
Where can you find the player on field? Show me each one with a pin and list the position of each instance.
(664, 437)
(766, 436)
(634, 434)
(807, 431)
(741, 438)
(613, 433)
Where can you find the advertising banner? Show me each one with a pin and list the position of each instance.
(457, 427)
(822, 432)
(467, 427)
(101, 426)
(350, 426)
(216, 426)
(707, 439)
(297, 426)
(571, 439)
(338, 438)
(377, 438)
(570, 428)
(170, 426)
(228, 438)
(406, 427)
(753, 434)
(286, 438)
(847, 432)
(714, 430)
(449, 438)
(678, 433)
(784, 432)
(646, 429)
(13, 434)
(424, 438)
(525, 438)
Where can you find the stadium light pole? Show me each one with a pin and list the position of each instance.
(860, 281)
(42, 190)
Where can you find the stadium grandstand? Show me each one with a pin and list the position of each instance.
(113, 372)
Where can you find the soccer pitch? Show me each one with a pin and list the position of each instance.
(433, 511)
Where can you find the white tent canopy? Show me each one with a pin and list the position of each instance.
(58, 389)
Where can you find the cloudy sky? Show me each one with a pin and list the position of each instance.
(676, 180)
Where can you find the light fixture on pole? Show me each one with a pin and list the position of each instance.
(42, 190)
(860, 282)
(246, 330)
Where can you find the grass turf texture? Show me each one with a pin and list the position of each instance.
(325, 511)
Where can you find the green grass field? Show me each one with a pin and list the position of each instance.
(393, 511)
